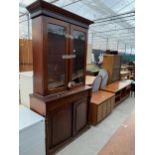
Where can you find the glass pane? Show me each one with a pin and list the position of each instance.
(78, 61)
(56, 48)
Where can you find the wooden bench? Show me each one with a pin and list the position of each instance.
(102, 103)
(121, 89)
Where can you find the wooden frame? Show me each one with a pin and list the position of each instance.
(62, 107)
(80, 29)
(66, 26)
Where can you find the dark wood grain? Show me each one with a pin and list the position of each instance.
(66, 115)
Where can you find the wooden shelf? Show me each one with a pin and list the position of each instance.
(121, 89)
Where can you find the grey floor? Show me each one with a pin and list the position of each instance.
(92, 141)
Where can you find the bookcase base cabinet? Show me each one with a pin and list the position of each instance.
(66, 116)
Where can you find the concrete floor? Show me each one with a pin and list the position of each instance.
(123, 141)
(93, 140)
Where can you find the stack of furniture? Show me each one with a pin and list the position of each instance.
(124, 75)
(121, 89)
(112, 64)
(131, 68)
(31, 132)
(124, 67)
(59, 40)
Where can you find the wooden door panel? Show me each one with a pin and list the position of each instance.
(81, 113)
(61, 126)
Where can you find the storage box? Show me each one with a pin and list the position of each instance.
(102, 104)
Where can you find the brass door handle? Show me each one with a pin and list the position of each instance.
(67, 56)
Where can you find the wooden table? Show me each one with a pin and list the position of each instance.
(102, 104)
(121, 89)
(90, 80)
(123, 141)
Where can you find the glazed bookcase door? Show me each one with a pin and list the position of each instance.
(57, 48)
(78, 49)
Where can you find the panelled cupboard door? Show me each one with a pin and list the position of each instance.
(80, 114)
(78, 48)
(59, 125)
(56, 46)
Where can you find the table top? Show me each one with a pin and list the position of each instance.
(90, 79)
(101, 96)
(118, 85)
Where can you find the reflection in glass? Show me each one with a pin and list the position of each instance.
(56, 48)
(78, 61)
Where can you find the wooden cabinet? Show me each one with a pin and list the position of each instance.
(112, 64)
(59, 40)
(67, 115)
